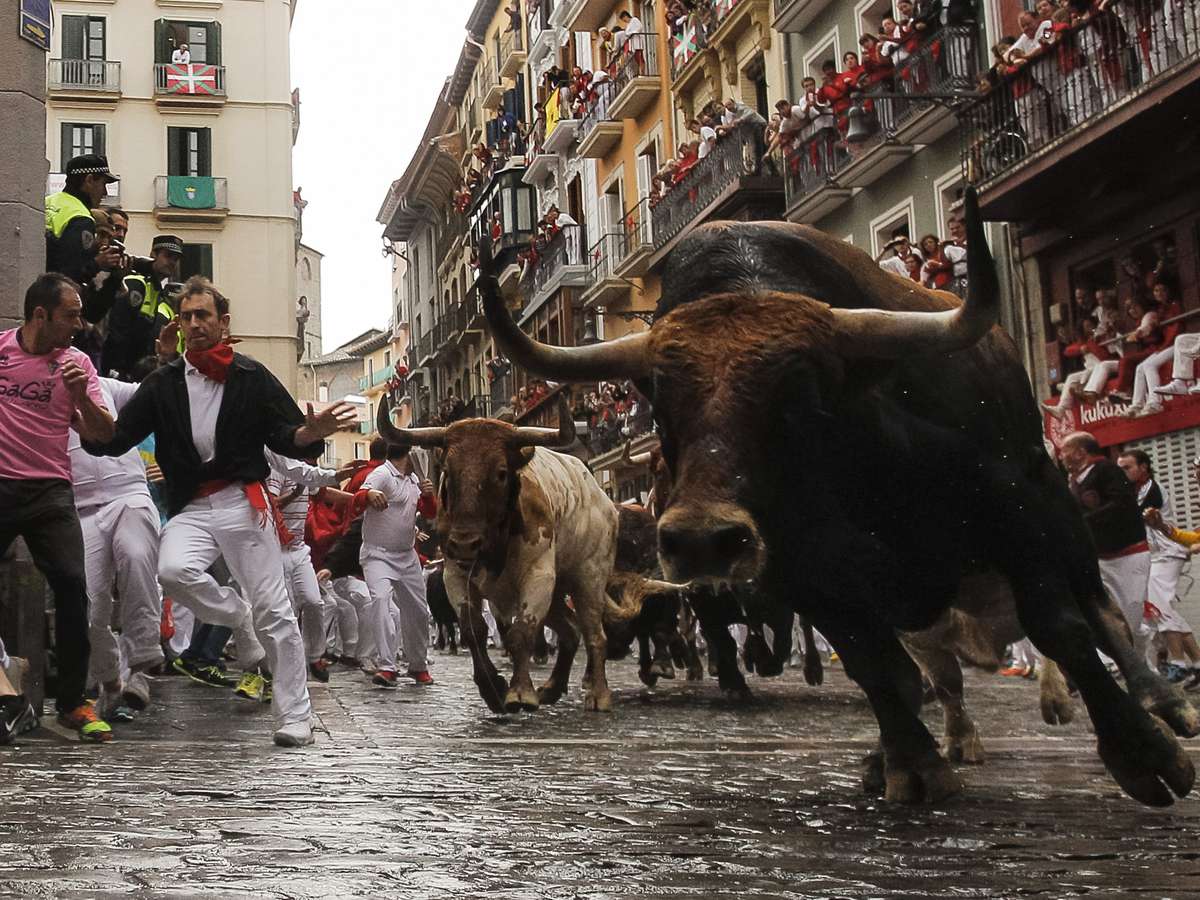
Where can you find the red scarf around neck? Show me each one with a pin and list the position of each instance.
(214, 362)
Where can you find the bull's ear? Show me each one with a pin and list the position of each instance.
(524, 456)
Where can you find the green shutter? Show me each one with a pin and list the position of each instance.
(98, 139)
(205, 145)
(162, 42)
(65, 155)
(174, 153)
(214, 43)
(72, 36)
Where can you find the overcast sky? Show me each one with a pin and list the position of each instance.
(368, 73)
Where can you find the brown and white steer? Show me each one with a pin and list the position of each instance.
(523, 527)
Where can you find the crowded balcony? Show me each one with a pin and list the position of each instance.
(1084, 100)
(512, 53)
(616, 414)
(698, 26)
(189, 85)
(732, 181)
(944, 63)
(198, 199)
(543, 36)
(637, 79)
(555, 260)
(637, 241)
(796, 15)
(493, 86)
(425, 348)
(599, 130)
(85, 79)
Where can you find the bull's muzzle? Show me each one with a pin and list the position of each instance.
(463, 547)
(720, 543)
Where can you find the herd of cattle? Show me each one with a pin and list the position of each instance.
(836, 443)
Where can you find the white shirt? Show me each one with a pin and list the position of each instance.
(98, 480)
(957, 255)
(894, 264)
(286, 475)
(394, 529)
(635, 26)
(181, 56)
(204, 403)
(707, 135)
(1161, 546)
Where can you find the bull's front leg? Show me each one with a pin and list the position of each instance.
(537, 590)
(913, 770)
(475, 636)
(589, 607)
(562, 621)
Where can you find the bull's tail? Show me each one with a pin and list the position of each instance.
(627, 592)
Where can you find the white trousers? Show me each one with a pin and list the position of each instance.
(300, 579)
(1186, 350)
(1066, 399)
(1161, 591)
(224, 524)
(489, 619)
(397, 580)
(1181, 22)
(1025, 654)
(353, 591)
(1146, 379)
(1126, 579)
(120, 543)
(1100, 375)
(1033, 109)
(4, 660)
(1077, 96)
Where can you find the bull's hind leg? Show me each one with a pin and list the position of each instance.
(814, 671)
(961, 742)
(589, 607)
(562, 622)
(913, 770)
(1053, 693)
(1139, 752)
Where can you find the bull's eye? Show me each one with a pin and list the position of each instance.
(502, 475)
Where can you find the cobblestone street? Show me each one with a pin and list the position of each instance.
(680, 793)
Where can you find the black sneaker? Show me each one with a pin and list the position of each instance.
(16, 717)
(209, 675)
(319, 670)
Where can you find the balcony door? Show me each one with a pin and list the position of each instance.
(189, 151)
(203, 40)
(80, 138)
(84, 49)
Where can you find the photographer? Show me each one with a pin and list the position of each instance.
(137, 318)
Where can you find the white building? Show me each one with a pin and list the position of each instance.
(203, 148)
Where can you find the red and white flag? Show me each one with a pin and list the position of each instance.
(191, 78)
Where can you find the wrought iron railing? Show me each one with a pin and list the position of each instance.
(736, 155)
(500, 391)
(609, 432)
(639, 56)
(564, 249)
(190, 79)
(511, 42)
(597, 110)
(88, 74)
(188, 193)
(604, 256)
(637, 229)
(1094, 67)
(424, 346)
(947, 60)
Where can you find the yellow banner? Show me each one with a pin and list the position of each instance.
(552, 111)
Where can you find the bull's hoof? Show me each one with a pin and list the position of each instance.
(929, 779)
(1057, 710)
(550, 692)
(712, 667)
(1148, 763)
(454, 650)
(597, 701)
(695, 672)
(647, 676)
(873, 781)
(540, 659)
(493, 691)
(521, 700)
(1167, 702)
(814, 672)
(740, 694)
(663, 669)
(770, 668)
(965, 748)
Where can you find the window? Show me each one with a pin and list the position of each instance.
(756, 75)
(306, 269)
(898, 217)
(827, 47)
(869, 14)
(203, 40)
(80, 138)
(387, 358)
(197, 260)
(947, 197)
(83, 37)
(323, 392)
(360, 450)
(189, 151)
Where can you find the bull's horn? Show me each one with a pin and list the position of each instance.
(641, 459)
(562, 436)
(411, 437)
(626, 357)
(884, 334)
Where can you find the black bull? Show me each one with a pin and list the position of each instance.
(854, 441)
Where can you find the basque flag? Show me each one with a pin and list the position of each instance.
(192, 78)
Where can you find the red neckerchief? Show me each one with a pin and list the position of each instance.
(212, 363)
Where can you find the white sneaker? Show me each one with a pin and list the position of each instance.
(1195, 388)
(297, 734)
(1131, 412)
(1150, 409)
(1176, 388)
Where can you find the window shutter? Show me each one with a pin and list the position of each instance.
(72, 36)
(520, 110)
(65, 156)
(162, 42)
(98, 139)
(214, 43)
(205, 146)
(174, 156)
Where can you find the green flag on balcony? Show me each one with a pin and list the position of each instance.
(191, 191)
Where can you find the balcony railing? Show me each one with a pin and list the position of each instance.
(99, 75)
(639, 56)
(604, 256)
(564, 249)
(500, 391)
(189, 80)
(378, 377)
(424, 347)
(598, 109)
(610, 431)
(511, 42)
(637, 231)
(813, 162)
(736, 155)
(1096, 67)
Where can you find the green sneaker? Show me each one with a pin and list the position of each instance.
(209, 675)
(251, 687)
(83, 719)
(268, 693)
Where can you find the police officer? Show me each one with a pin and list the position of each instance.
(137, 317)
(70, 230)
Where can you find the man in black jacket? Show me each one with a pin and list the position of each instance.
(212, 412)
(1110, 509)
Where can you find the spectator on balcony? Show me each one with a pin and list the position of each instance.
(955, 251)
(1029, 96)
(889, 38)
(1146, 381)
(630, 40)
(937, 271)
(734, 113)
(894, 253)
(1075, 94)
(910, 32)
(181, 55)
(1093, 354)
(877, 68)
(514, 16)
(835, 91)
(1141, 343)
(703, 129)
(1181, 27)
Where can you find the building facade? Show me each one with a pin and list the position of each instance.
(202, 142)
(308, 302)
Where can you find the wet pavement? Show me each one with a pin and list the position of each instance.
(679, 793)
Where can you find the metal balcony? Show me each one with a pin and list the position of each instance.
(600, 131)
(189, 85)
(637, 81)
(187, 198)
(512, 53)
(561, 263)
(605, 286)
(87, 78)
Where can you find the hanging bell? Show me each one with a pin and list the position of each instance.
(862, 124)
(589, 331)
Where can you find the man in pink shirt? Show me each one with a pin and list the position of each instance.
(47, 387)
